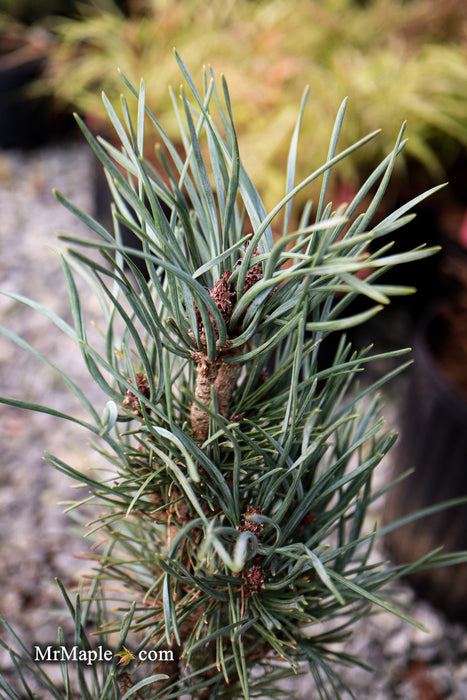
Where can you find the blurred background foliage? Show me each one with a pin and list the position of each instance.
(395, 60)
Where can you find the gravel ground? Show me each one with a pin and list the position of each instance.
(36, 543)
(35, 540)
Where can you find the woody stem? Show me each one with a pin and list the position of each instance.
(218, 374)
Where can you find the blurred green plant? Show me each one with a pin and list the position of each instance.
(396, 60)
(232, 521)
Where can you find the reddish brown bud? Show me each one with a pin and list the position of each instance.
(253, 579)
(254, 274)
(224, 300)
(237, 418)
(307, 520)
(131, 401)
(252, 526)
(222, 296)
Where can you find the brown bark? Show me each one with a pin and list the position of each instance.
(220, 375)
(224, 384)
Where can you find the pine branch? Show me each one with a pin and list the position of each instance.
(232, 518)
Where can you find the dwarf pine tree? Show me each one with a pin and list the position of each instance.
(231, 522)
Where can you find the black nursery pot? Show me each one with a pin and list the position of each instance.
(433, 442)
(22, 117)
